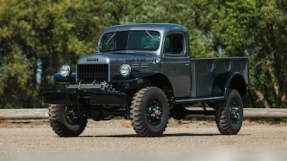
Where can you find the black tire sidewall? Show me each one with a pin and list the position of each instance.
(60, 125)
(157, 94)
(223, 114)
(77, 124)
(234, 95)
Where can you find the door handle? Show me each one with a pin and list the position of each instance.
(187, 64)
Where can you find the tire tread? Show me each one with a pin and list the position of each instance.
(222, 121)
(56, 112)
(138, 122)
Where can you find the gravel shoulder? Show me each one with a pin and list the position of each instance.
(117, 137)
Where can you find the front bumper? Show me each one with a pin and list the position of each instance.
(92, 94)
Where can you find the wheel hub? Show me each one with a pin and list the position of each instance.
(154, 113)
(235, 112)
(70, 114)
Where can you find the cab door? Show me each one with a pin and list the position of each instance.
(176, 63)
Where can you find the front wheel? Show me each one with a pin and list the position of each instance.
(149, 112)
(229, 115)
(65, 122)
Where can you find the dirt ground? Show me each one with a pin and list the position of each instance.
(116, 140)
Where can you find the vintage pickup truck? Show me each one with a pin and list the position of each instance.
(144, 72)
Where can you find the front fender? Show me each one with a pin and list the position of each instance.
(134, 77)
(136, 81)
(59, 78)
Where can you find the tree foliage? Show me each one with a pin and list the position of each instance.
(41, 35)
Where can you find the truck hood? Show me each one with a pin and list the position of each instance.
(130, 58)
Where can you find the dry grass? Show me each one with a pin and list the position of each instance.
(127, 124)
(23, 123)
(3, 124)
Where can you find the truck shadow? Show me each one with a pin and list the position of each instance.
(164, 135)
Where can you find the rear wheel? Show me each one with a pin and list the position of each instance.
(65, 122)
(229, 115)
(149, 112)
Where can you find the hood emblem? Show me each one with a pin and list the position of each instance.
(92, 59)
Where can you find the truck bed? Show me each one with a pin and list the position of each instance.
(207, 73)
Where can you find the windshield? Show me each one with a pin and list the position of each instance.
(130, 40)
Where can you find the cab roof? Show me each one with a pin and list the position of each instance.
(161, 27)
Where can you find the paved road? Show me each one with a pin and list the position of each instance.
(112, 140)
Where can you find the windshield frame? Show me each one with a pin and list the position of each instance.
(128, 50)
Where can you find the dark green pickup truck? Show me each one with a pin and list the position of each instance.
(144, 72)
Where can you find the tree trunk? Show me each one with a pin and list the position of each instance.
(261, 97)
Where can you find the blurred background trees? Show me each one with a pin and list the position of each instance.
(37, 36)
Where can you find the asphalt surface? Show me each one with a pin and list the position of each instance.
(115, 140)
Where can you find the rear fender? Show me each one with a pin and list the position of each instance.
(235, 80)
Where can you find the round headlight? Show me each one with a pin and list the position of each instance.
(65, 70)
(125, 70)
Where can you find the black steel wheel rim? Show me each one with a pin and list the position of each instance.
(154, 112)
(235, 115)
(70, 115)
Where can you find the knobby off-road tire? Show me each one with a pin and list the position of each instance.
(229, 115)
(149, 112)
(62, 125)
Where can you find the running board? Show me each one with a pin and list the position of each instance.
(194, 100)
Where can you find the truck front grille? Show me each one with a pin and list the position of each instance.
(88, 73)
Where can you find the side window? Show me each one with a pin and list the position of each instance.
(174, 44)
